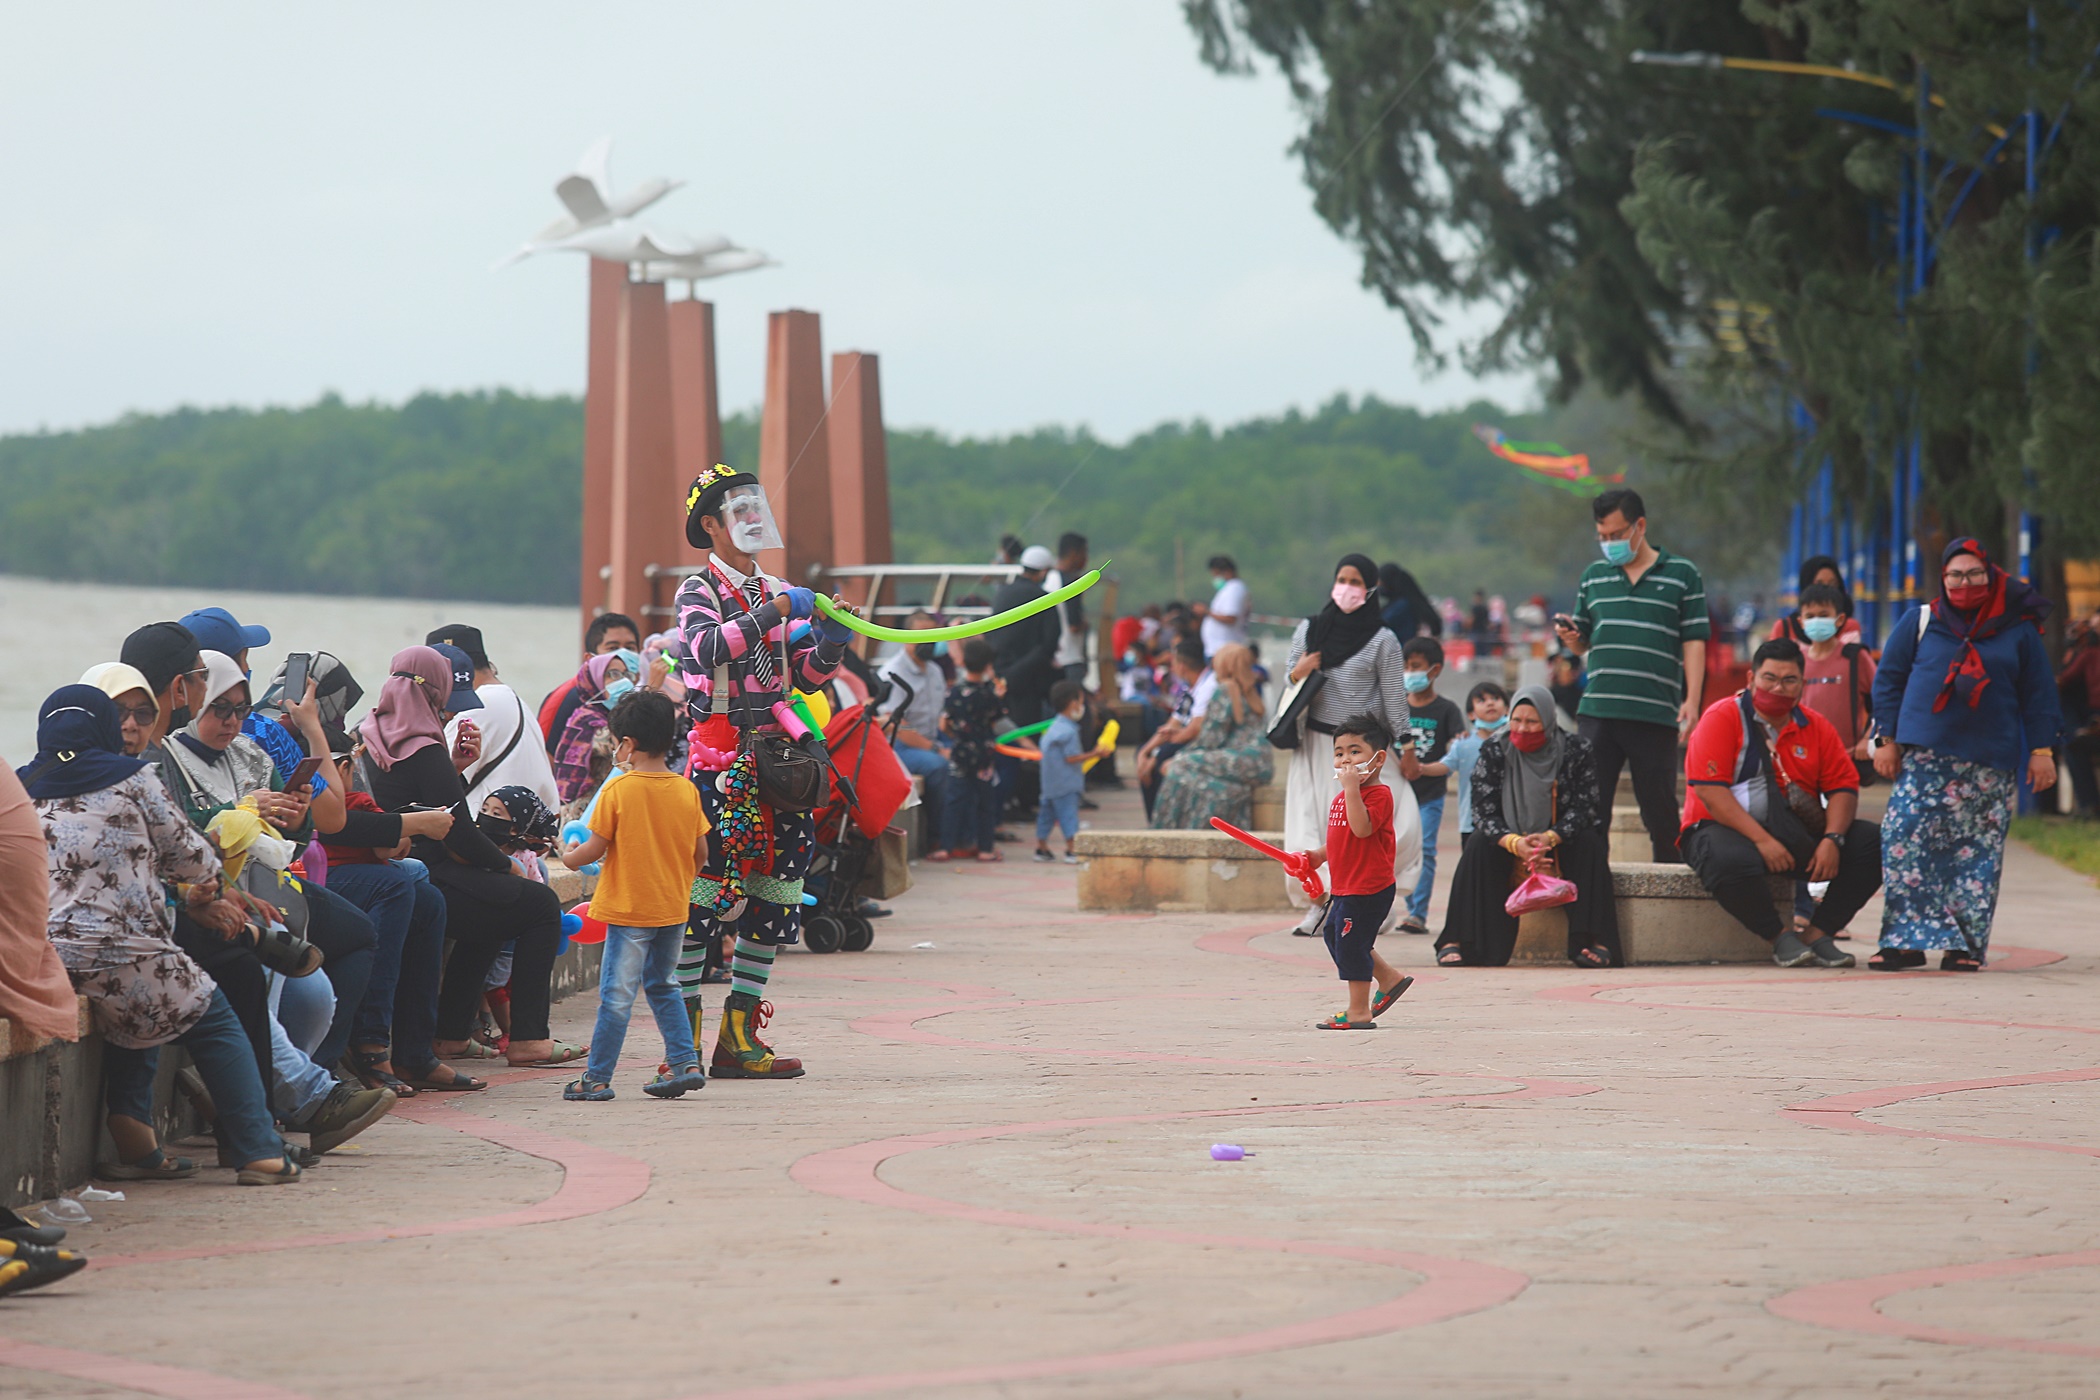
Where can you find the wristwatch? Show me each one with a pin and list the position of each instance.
(1836, 837)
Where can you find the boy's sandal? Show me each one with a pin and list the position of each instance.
(156, 1165)
(1592, 956)
(667, 1085)
(579, 1090)
(364, 1066)
(1340, 1021)
(563, 1053)
(1450, 955)
(1960, 960)
(1896, 960)
(458, 1084)
(1385, 1000)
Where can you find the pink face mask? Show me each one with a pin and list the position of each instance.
(1348, 596)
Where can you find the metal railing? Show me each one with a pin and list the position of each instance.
(942, 584)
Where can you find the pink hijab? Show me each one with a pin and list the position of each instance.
(410, 712)
(590, 676)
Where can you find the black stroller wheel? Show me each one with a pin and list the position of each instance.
(822, 933)
(860, 934)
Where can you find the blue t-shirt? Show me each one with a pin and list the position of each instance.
(285, 752)
(1059, 742)
(1462, 755)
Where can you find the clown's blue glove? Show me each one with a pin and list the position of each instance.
(833, 631)
(798, 602)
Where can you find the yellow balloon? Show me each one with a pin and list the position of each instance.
(1109, 733)
(819, 708)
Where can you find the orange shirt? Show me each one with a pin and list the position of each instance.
(653, 821)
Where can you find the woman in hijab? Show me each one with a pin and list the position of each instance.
(487, 903)
(336, 691)
(1965, 700)
(136, 707)
(1535, 800)
(114, 840)
(1406, 608)
(602, 682)
(1218, 771)
(1360, 670)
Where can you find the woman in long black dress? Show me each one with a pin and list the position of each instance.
(1534, 798)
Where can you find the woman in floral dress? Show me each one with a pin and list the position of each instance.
(1216, 775)
(1964, 700)
(115, 838)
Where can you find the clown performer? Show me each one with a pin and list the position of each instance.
(737, 655)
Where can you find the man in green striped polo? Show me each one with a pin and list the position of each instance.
(1640, 624)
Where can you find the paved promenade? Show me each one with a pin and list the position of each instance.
(995, 1181)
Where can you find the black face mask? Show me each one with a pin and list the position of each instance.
(500, 830)
(180, 719)
(923, 650)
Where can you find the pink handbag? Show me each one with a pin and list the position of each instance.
(1541, 890)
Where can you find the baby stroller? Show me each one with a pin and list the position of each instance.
(868, 785)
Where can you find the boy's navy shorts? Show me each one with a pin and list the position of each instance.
(1352, 927)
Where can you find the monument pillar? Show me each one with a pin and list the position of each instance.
(696, 407)
(794, 452)
(648, 517)
(608, 282)
(860, 463)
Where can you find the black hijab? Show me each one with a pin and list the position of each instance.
(79, 745)
(1337, 635)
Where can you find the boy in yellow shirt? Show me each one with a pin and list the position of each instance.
(652, 836)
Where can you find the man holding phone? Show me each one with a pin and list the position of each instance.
(1640, 623)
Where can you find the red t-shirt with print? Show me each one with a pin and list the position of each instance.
(1361, 864)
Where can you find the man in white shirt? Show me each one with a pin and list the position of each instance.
(1225, 624)
(918, 733)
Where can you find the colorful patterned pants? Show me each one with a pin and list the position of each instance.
(1943, 851)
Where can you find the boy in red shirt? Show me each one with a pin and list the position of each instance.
(1359, 861)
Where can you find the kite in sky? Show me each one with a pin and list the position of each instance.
(1570, 471)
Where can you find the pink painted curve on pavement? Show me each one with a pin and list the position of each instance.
(141, 1376)
(1449, 1288)
(1853, 1305)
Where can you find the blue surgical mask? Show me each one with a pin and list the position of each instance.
(616, 692)
(1819, 629)
(1617, 552)
(1491, 726)
(1416, 682)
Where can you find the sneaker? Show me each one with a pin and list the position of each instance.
(1827, 953)
(348, 1110)
(1069, 859)
(1789, 951)
(1043, 857)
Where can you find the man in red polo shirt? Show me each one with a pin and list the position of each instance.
(1756, 763)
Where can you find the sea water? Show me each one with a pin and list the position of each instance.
(51, 632)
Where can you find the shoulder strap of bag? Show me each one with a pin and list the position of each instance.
(1924, 619)
(497, 762)
(1852, 651)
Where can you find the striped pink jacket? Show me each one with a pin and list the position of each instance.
(716, 629)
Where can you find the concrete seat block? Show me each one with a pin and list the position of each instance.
(1177, 872)
(1629, 844)
(1666, 916)
(1542, 939)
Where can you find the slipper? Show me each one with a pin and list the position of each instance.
(1340, 1021)
(563, 1053)
(476, 1050)
(457, 1084)
(285, 1176)
(1450, 955)
(156, 1165)
(578, 1091)
(1385, 1000)
(1592, 956)
(1896, 960)
(1960, 960)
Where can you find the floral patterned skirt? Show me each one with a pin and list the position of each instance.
(1943, 851)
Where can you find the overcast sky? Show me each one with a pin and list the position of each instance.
(1036, 211)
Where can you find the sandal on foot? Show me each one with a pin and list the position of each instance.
(283, 1176)
(1340, 1021)
(563, 1053)
(667, 1085)
(367, 1067)
(1450, 955)
(476, 1050)
(1592, 956)
(1411, 924)
(156, 1165)
(1385, 1000)
(1896, 960)
(1960, 960)
(577, 1090)
(458, 1084)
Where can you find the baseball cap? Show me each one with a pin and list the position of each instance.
(463, 696)
(161, 651)
(1037, 557)
(218, 630)
(467, 639)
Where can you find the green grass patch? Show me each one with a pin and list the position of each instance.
(2064, 840)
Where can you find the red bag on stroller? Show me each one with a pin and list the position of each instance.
(861, 753)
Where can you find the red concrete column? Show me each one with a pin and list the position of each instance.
(696, 406)
(860, 461)
(647, 499)
(608, 282)
(794, 453)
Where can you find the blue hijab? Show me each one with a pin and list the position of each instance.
(79, 745)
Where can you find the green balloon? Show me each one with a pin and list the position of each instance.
(961, 630)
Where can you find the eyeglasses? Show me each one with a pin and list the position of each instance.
(1967, 576)
(1767, 681)
(226, 709)
(143, 714)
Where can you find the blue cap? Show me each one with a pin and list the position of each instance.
(463, 694)
(218, 630)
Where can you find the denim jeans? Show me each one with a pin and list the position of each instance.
(974, 815)
(939, 781)
(346, 937)
(220, 1048)
(408, 915)
(1061, 811)
(299, 1085)
(1418, 897)
(640, 961)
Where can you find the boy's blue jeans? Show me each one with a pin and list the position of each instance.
(1418, 898)
(973, 817)
(1063, 810)
(640, 962)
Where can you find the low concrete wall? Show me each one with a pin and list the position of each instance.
(51, 1132)
(1666, 916)
(1177, 872)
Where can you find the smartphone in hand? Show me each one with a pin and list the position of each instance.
(303, 775)
(297, 668)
